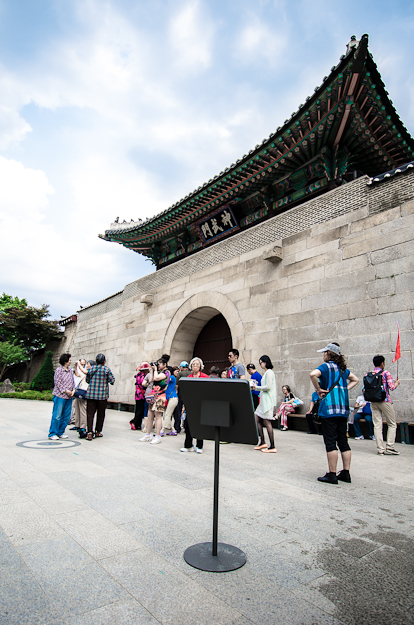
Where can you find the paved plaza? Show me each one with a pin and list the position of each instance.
(95, 533)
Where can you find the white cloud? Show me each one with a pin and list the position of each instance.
(191, 36)
(23, 192)
(13, 128)
(258, 42)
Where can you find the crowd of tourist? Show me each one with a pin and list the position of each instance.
(158, 404)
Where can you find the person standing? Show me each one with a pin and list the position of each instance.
(332, 381)
(143, 369)
(81, 369)
(254, 375)
(159, 377)
(171, 409)
(63, 392)
(265, 410)
(98, 378)
(384, 409)
(196, 367)
(236, 369)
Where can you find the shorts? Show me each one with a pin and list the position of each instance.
(334, 431)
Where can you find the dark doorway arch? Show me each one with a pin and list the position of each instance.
(213, 343)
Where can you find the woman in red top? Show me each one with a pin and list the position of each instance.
(196, 368)
(143, 369)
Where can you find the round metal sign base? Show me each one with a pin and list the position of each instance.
(47, 444)
(228, 558)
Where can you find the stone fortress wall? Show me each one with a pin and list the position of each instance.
(346, 274)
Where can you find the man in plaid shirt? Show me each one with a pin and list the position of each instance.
(98, 378)
(384, 409)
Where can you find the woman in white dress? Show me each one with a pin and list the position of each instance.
(264, 411)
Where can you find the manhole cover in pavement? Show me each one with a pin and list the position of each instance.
(47, 444)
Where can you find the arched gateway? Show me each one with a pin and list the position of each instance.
(192, 317)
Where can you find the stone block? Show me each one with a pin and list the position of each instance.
(362, 225)
(346, 266)
(286, 307)
(294, 238)
(311, 252)
(305, 334)
(373, 342)
(361, 326)
(404, 283)
(256, 302)
(310, 275)
(349, 280)
(407, 208)
(195, 288)
(396, 303)
(331, 234)
(230, 286)
(147, 298)
(293, 248)
(381, 287)
(298, 320)
(395, 267)
(334, 298)
(395, 251)
(346, 311)
(307, 288)
(274, 254)
(310, 263)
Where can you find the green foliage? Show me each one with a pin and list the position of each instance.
(37, 395)
(7, 301)
(21, 386)
(9, 354)
(26, 326)
(44, 379)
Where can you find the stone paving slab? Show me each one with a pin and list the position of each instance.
(95, 534)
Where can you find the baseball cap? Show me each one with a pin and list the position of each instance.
(331, 347)
(184, 363)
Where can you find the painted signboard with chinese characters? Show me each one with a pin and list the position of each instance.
(218, 225)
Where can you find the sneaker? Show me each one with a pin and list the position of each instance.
(156, 440)
(54, 438)
(63, 436)
(145, 438)
(359, 438)
(161, 433)
(184, 449)
(144, 430)
(380, 452)
(344, 476)
(172, 433)
(329, 478)
(390, 451)
(198, 450)
(372, 438)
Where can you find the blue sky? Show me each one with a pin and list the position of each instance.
(121, 108)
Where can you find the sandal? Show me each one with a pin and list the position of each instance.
(89, 436)
(261, 447)
(98, 434)
(269, 451)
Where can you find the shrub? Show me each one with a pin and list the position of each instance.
(37, 395)
(21, 386)
(44, 379)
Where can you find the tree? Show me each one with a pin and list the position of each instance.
(25, 326)
(7, 301)
(9, 354)
(44, 380)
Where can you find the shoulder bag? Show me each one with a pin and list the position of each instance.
(315, 409)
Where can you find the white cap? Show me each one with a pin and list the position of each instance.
(331, 347)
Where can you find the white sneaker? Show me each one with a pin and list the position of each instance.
(372, 438)
(198, 450)
(145, 438)
(155, 440)
(359, 438)
(63, 436)
(184, 449)
(54, 438)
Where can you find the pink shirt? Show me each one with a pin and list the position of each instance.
(388, 382)
(63, 382)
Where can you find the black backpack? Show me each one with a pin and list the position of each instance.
(374, 391)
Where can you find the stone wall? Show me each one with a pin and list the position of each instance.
(346, 275)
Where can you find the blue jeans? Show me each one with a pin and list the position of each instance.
(62, 409)
(368, 419)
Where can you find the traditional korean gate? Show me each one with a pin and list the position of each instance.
(213, 343)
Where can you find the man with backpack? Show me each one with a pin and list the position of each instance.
(377, 387)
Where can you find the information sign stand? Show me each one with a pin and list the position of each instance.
(219, 410)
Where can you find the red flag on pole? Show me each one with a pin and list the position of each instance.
(398, 346)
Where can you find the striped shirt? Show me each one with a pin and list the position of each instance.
(64, 381)
(98, 378)
(336, 403)
(388, 382)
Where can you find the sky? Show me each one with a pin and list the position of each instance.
(121, 108)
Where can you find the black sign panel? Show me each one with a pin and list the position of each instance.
(217, 225)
